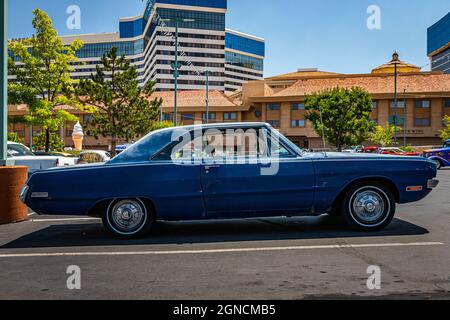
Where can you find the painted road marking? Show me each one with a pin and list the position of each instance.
(212, 251)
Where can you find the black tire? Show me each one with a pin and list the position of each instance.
(128, 219)
(359, 201)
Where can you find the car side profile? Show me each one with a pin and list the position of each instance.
(225, 171)
(441, 157)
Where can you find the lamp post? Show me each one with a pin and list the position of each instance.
(4, 82)
(395, 61)
(207, 96)
(404, 118)
(176, 66)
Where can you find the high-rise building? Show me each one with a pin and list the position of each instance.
(439, 45)
(148, 41)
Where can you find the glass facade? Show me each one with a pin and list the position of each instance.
(240, 43)
(439, 34)
(441, 61)
(203, 20)
(244, 61)
(131, 29)
(220, 4)
(95, 50)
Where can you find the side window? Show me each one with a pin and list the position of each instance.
(232, 144)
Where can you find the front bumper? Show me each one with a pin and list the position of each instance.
(432, 183)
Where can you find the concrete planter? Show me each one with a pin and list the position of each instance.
(12, 179)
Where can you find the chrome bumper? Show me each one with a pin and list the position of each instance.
(24, 193)
(433, 183)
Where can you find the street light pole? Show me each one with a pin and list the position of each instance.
(404, 118)
(4, 82)
(395, 60)
(176, 73)
(207, 96)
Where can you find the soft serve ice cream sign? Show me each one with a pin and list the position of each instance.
(78, 136)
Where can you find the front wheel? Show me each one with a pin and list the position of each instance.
(368, 207)
(127, 218)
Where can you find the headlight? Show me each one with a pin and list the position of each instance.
(23, 193)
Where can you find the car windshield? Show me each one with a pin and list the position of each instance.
(148, 146)
(17, 150)
(447, 144)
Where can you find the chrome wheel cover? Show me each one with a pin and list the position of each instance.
(368, 206)
(128, 216)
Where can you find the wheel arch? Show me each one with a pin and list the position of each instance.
(383, 180)
(99, 208)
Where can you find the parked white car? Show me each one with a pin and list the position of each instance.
(23, 156)
(64, 159)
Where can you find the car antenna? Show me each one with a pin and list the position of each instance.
(323, 132)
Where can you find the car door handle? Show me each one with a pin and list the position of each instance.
(209, 167)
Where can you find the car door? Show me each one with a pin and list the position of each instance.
(265, 182)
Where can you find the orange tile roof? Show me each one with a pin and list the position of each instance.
(193, 99)
(301, 74)
(374, 84)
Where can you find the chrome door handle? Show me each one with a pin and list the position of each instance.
(209, 167)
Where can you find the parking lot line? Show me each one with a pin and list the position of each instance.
(216, 251)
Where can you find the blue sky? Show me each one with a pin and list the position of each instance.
(327, 34)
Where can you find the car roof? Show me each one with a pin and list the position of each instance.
(222, 125)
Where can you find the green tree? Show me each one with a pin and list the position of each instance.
(56, 144)
(445, 134)
(120, 109)
(342, 115)
(383, 136)
(43, 76)
(14, 137)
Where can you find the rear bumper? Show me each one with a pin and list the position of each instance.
(432, 183)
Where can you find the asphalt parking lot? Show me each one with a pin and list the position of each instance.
(312, 258)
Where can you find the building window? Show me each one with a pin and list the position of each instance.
(424, 104)
(230, 116)
(87, 118)
(400, 104)
(298, 106)
(20, 133)
(212, 116)
(69, 132)
(374, 104)
(273, 107)
(187, 117)
(274, 123)
(446, 103)
(422, 122)
(167, 117)
(400, 120)
(298, 123)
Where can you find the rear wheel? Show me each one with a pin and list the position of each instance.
(368, 206)
(128, 218)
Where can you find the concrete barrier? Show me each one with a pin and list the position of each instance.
(12, 179)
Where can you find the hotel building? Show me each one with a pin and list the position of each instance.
(439, 45)
(148, 41)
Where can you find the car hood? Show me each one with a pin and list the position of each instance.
(35, 158)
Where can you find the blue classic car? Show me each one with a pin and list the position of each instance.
(440, 156)
(222, 171)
